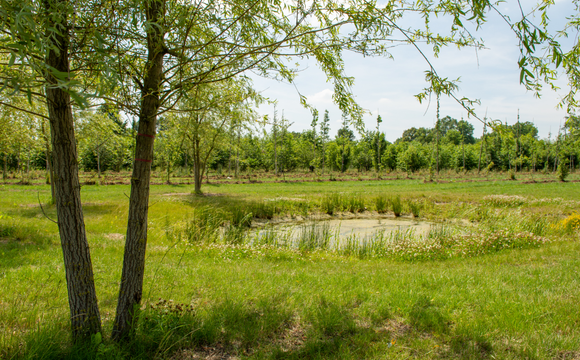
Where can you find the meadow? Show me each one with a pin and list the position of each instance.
(497, 277)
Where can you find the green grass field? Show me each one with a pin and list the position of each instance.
(239, 299)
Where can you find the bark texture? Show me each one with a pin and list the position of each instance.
(84, 310)
(131, 289)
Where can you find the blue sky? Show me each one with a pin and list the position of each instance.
(387, 86)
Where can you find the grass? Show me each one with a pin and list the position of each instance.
(262, 299)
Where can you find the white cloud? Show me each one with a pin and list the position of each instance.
(323, 97)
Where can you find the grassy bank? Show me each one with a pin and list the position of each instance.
(241, 300)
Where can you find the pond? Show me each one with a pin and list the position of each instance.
(351, 228)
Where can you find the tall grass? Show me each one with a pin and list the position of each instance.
(203, 226)
(314, 237)
(355, 203)
(331, 203)
(416, 207)
(381, 203)
(396, 205)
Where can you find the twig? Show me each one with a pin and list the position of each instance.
(39, 203)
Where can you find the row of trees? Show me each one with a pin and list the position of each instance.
(182, 63)
(231, 140)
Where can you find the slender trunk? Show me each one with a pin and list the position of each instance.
(378, 151)
(323, 156)
(5, 170)
(168, 169)
(238, 156)
(47, 167)
(481, 148)
(99, 164)
(275, 151)
(131, 288)
(18, 167)
(463, 149)
(342, 164)
(437, 126)
(197, 174)
(84, 311)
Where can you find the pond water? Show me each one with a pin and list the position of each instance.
(360, 228)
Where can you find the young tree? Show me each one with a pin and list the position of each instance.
(324, 130)
(314, 134)
(379, 121)
(206, 112)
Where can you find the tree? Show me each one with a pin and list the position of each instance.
(96, 129)
(151, 53)
(314, 134)
(37, 38)
(345, 136)
(422, 135)
(324, 130)
(203, 115)
(379, 121)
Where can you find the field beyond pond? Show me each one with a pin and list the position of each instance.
(495, 276)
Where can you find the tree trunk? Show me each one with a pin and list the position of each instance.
(18, 165)
(323, 156)
(437, 127)
(5, 170)
(84, 311)
(463, 149)
(99, 164)
(131, 288)
(168, 169)
(197, 174)
(481, 148)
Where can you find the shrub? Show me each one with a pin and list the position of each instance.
(415, 206)
(381, 204)
(396, 205)
(355, 203)
(331, 203)
(563, 170)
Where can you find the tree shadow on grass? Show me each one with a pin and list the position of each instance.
(31, 211)
(263, 328)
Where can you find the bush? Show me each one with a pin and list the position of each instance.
(381, 204)
(563, 170)
(415, 206)
(396, 205)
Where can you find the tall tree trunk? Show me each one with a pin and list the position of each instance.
(131, 288)
(168, 169)
(84, 311)
(99, 164)
(463, 150)
(18, 165)
(437, 127)
(197, 173)
(5, 170)
(481, 148)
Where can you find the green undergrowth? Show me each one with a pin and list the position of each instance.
(280, 304)
(496, 277)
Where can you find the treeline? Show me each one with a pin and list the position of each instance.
(106, 143)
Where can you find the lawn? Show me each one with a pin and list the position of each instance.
(243, 299)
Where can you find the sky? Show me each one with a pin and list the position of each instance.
(387, 86)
